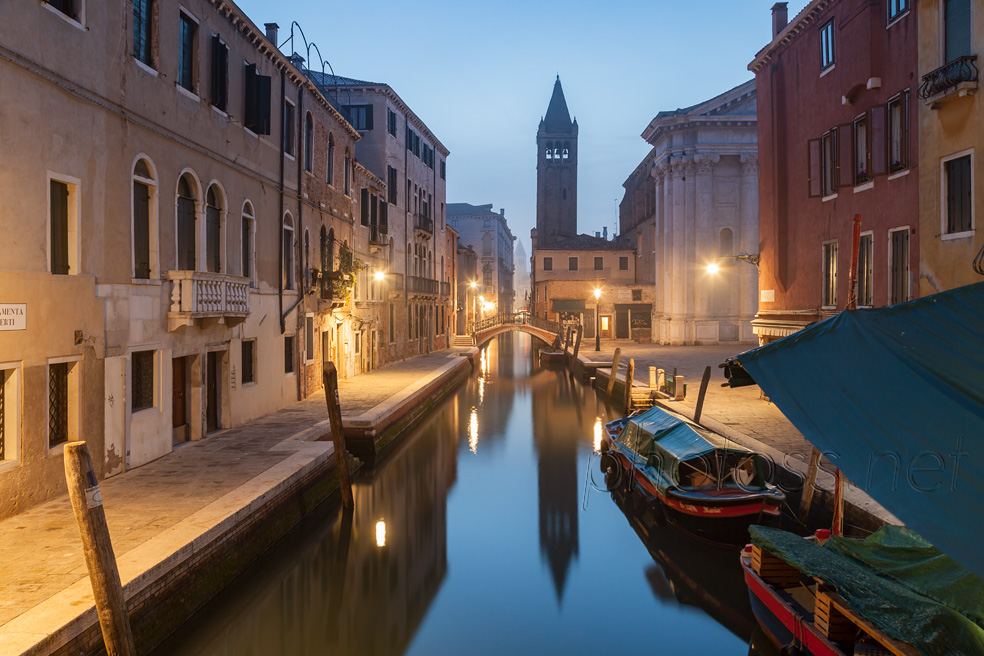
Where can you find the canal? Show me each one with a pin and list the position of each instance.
(486, 531)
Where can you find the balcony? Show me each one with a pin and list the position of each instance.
(445, 289)
(378, 235)
(423, 225)
(417, 285)
(957, 78)
(332, 289)
(199, 295)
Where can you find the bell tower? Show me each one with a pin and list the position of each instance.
(556, 172)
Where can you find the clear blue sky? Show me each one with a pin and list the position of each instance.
(480, 75)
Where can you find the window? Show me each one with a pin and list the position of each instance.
(360, 116)
(391, 121)
(220, 73)
(391, 186)
(958, 195)
(898, 132)
(623, 263)
(214, 218)
(444, 169)
(309, 338)
(64, 226)
(143, 31)
(865, 259)
(247, 241)
(289, 354)
(186, 52)
(256, 107)
(347, 174)
(288, 246)
(896, 8)
(956, 28)
(9, 411)
(289, 128)
(63, 401)
(572, 263)
(636, 294)
(364, 206)
(309, 143)
(548, 264)
(142, 375)
(828, 163)
(898, 263)
(827, 45)
(330, 178)
(249, 361)
(187, 221)
(861, 173)
(599, 263)
(73, 9)
(392, 322)
(144, 221)
(830, 274)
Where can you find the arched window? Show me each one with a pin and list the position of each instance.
(331, 250)
(331, 159)
(348, 173)
(288, 248)
(549, 150)
(567, 149)
(214, 214)
(726, 242)
(409, 260)
(308, 143)
(144, 220)
(306, 258)
(248, 228)
(187, 215)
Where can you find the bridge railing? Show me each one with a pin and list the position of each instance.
(517, 318)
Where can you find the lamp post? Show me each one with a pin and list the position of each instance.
(471, 305)
(597, 295)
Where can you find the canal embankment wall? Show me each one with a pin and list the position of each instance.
(172, 562)
(789, 470)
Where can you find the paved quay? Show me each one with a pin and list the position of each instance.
(742, 414)
(174, 504)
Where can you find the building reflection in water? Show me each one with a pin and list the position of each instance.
(389, 555)
(556, 411)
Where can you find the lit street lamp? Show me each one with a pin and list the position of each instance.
(597, 293)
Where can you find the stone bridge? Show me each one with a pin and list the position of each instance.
(544, 330)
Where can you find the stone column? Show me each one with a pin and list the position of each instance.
(690, 245)
(748, 240)
(678, 248)
(659, 191)
(705, 247)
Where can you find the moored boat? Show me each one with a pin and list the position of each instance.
(548, 357)
(705, 485)
(893, 593)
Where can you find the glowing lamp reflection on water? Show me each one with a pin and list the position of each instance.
(597, 435)
(380, 533)
(473, 431)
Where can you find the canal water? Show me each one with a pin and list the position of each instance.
(486, 531)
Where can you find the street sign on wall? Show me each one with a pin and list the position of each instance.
(13, 316)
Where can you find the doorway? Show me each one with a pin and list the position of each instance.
(179, 400)
(621, 324)
(606, 326)
(212, 363)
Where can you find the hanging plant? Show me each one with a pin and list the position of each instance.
(343, 279)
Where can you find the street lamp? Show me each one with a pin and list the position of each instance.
(749, 258)
(379, 275)
(597, 293)
(471, 305)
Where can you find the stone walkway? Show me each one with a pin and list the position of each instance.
(42, 554)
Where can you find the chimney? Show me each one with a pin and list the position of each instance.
(780, 16)
(604, 232)
(502, 211)
(271, 33)
(297, 61)
(597, 234)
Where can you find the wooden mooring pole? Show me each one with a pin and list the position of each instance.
(577, 346)
(611, 378)
(86, 497)
(629, 373)
(330, 379)
(808, 486)
(700, 395)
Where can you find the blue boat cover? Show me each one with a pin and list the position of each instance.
(894, 397)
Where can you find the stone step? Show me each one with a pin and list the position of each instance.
(461, 340)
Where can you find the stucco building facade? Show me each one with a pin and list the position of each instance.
(488, 234)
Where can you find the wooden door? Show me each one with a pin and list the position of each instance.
(179, 400)
(212, 392)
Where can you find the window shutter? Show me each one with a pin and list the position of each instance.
(216, 70)
(368, 117)
(814, 174)
(845, 155)
(373, 206)
(384, 215)
(224, 76)
(262, 104)
(878, 140)
(59, 227)
(365, 207)
(956, 19)
(141, 231)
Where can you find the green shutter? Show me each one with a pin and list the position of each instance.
(59, 227)
(956, 21)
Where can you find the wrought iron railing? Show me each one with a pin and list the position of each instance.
(516, 318)
(423, 222)
(979, 262)
(944, 78)
(417, 285)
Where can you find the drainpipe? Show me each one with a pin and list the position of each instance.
(280, 226)
(301, 154)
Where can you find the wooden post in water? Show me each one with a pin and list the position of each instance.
(630, 372)
(577, 345)
(611, 378)
(808, 486)
(567, 340)
(700, 395)
(330, 379)
(83, 490)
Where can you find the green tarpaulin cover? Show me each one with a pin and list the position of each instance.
(897, 581)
